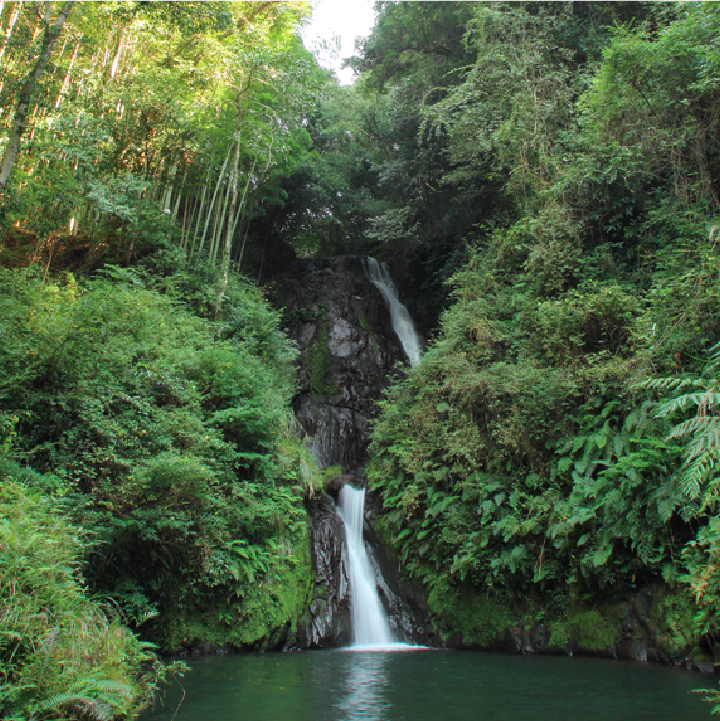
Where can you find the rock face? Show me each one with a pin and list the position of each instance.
(327, 622)
(652, 624)
(347, 350)
(406, 605)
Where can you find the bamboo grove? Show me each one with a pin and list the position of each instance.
(151, 119)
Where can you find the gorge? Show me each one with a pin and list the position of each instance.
(202, 368)
(351, 329)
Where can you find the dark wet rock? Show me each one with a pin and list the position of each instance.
(648, 626)
(348, 350)
(406, 604)
(327, 621)
(334, 485)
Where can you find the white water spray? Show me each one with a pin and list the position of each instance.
(402, 322)
(369, 622)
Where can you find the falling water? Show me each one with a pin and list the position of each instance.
(401, 320)
(369, 622)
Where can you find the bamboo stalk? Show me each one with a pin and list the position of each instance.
(218, 225)
(67, 74)
(199, 215)
(242, 249)
(177, 200)
(231, 220)
(231, 188)
(116, 59)
(184, 222)
(24, 98)
(244, 196)
(217, 186)
(8, 31)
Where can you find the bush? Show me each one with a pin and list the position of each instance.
(171, 438)
(62, 654)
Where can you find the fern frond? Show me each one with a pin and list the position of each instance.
(674, 404)
(706, 424)
(704, 442)
(697, 472)
(98, 710)
(705, 401)
(119, 688)
(667, 384)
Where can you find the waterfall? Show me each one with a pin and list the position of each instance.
(401, 320)
(369, 622)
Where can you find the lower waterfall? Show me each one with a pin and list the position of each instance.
(369, 621)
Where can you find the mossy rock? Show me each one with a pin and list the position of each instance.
(469, 612)
(672, 616)
(590, 629)
(264, 613)
(321, 361)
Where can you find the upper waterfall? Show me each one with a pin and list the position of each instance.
(379, 275)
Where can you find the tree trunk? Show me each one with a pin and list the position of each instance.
(210, 210)
(229, 233)
(23, 104)
(11, 24)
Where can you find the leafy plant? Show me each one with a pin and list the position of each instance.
(61, 652)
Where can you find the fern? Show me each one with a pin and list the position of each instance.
(118, 688)
(98, 710)
(702, 451)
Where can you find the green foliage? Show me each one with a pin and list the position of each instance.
(703, 449)
(320, 359)
(480, 620)
(588, 628)
(537, 450)
(62, 654)
(170, 437)
(130, 123)
(672, 615)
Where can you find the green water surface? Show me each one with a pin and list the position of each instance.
(430, 686)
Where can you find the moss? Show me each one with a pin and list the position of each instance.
(700, 655)
(384, 532)
(321, 360)
(594, 629)
(672, 615)
(364, 323)
(256, 619)
(465, 610)
(373, 341)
